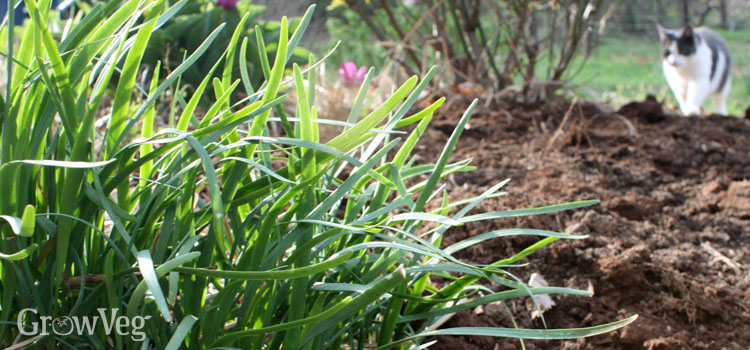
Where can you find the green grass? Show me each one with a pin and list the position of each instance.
(626, 68)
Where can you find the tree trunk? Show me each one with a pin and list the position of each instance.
(685, 9)
(659, 11)
(724, 14)
(631, 15)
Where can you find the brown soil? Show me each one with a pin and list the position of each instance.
(670, 240)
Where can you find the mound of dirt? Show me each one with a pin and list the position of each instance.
(670, 240)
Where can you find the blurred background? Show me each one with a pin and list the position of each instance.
(600, 50)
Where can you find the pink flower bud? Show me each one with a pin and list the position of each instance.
(350, 75)
(227, 4)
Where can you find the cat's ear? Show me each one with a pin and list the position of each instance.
(662, 33)
(688, 31)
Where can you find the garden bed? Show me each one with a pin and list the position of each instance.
(670, 240)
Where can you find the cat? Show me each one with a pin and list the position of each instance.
(697, 65)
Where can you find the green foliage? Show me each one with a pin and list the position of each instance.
(355, 41)
(215, 232)
(184, 32)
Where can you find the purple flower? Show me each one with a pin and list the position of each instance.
(350, 75)
(227, 4)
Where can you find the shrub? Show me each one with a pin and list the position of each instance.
(493, 43)
(213, 232)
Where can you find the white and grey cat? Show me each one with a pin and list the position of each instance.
(697, 65)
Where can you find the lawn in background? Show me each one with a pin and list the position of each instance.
(626, 68)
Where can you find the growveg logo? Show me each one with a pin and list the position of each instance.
(83, 325)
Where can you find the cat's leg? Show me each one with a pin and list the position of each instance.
(720, 98)
(681, 96)
(696, 93)
(720, 103)
(679, 89)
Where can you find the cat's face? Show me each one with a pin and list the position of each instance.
(677, 45)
